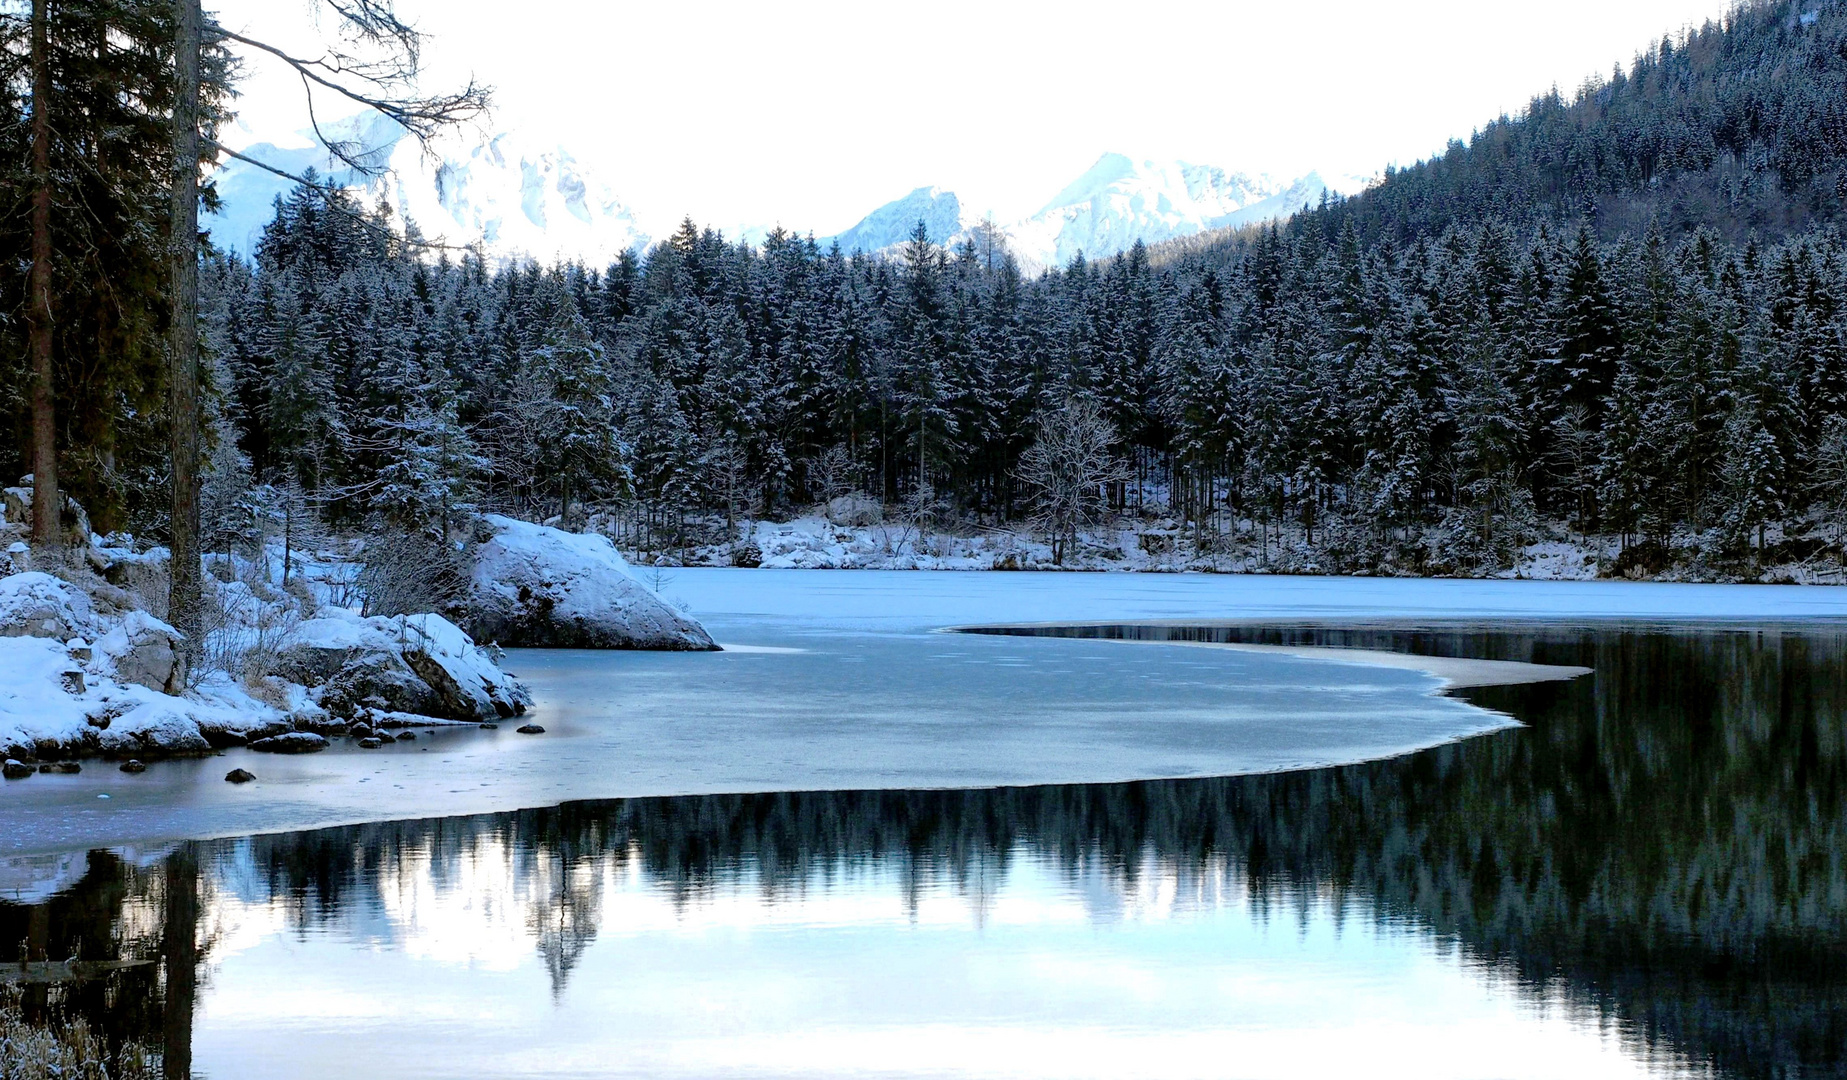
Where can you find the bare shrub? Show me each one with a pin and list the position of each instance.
(409, 573)
(244, 623)
(834, 473)
(1069, 467)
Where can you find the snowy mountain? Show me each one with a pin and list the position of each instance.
(514, 199)
(1115, 203)
(891, 224)
(517, 199)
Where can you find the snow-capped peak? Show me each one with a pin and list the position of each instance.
(1115, 203)
(493, 190)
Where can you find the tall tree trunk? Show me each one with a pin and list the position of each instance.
(47, 500)
(183, 601)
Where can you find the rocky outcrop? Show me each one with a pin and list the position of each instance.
(38, 605)
(145, 651)
(81, 674)
(540, 587)
(421, 664)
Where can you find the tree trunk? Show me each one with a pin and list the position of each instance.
(47, 500)
(183, 603)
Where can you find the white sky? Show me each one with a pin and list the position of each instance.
(811, 113)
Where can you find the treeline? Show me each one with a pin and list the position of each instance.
(1394, 405)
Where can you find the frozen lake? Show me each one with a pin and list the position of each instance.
(1639, 879)
(842, 681)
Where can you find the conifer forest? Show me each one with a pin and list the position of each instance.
(1621, 314)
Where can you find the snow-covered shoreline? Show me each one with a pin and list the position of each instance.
(287, 659)
(816, 540)
(85, 678)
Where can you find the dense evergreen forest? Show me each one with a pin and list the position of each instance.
(1622, 314)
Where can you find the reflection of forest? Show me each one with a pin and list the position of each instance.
(1664, 845)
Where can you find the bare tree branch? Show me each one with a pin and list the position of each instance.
(329, 195)
(423, 117)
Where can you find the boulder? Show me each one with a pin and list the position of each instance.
(221, 736)
(239, 776)
(466, 683)
(16, 509)
(145, 651)
(540, 587)
(294, 742)
(16, 505)
(133, 766)
(421, 664)
(530, 729)
(15, 769)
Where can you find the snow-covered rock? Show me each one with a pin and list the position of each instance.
(45, 713)
(144, 651)
(16, 506)
(16, 511)
(420, 664)
(35, 604)
(84, 672)
(293, 742)
(536, 586)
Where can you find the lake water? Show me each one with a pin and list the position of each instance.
(1640, 872)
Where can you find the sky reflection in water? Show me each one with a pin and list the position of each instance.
(1645, 881)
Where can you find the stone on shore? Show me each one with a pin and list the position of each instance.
(295, 742)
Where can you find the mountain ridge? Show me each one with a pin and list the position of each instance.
(520, 200)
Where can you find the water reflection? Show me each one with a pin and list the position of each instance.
(1659, 855)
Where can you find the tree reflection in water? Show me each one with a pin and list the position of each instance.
(1663, 845)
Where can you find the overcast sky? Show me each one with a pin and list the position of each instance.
(811, 113)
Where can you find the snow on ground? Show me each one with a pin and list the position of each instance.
(85, 670)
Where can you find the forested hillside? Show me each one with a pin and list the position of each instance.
(1741, 127)
(1621, 317)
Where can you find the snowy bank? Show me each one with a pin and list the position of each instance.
(853, 533)
(79, 678)
(540, 587)
(84, 674)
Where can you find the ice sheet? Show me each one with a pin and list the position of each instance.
(849, 687)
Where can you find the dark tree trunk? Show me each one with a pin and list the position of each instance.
(47, 501)
(179, 953)
(183, 603)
